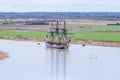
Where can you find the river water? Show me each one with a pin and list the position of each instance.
(30, 61)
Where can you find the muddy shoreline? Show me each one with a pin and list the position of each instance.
(98, 43)
(3, 55)
(89, 42)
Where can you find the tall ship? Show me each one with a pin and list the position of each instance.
(57, 37)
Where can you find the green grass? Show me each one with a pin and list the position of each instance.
(105, 27)
(13, 34)
(97, 36)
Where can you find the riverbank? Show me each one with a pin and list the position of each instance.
(97, 43)
(89, 42)
(3, 55)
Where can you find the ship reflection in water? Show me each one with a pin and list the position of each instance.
(58, 58)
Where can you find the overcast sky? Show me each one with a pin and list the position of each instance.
(60, 5)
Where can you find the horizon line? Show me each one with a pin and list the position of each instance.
(59, 12)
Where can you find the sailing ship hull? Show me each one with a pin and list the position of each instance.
(57, 46)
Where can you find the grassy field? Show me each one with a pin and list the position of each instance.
(109, 33)
(17, 34)
(95, 36)
(96, 28)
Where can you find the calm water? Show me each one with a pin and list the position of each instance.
(29, 61)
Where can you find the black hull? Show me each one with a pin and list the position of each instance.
(57, 46)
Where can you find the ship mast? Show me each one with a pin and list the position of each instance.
(59, 34)
(57, 30)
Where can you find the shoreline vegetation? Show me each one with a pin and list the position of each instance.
(3, 55)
